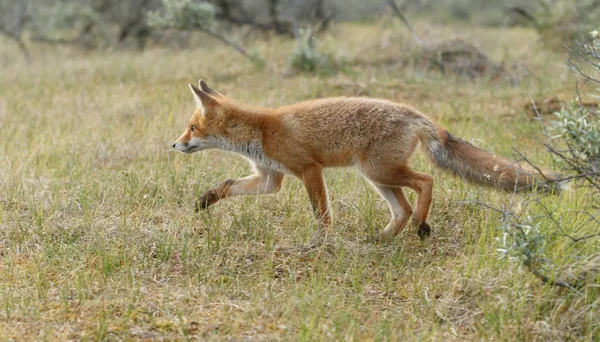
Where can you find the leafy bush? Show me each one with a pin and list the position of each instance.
(574, 142)
(577, 126)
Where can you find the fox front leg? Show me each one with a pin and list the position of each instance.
(317, 193)
(263, 182)
(215, 194)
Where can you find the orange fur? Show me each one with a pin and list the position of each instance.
(376, 136)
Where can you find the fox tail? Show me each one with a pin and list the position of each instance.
(462, 159)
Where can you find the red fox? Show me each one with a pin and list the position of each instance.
(378, 137)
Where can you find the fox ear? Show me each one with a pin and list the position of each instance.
(205, 88)
(202, 99)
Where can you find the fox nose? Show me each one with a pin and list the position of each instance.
(173, 144)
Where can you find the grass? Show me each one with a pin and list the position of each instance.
(99, 240)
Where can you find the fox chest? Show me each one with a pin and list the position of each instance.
(255, 152)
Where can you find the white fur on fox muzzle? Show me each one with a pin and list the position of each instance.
(184, 147)
(193, 145)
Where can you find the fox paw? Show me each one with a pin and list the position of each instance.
(424, 231)
(209, 198)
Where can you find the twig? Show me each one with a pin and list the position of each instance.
(522, 12)
(575, 67)
(20, 18)
(554, 282)
(220, 37)
(535, 167)
(539, 117)
(17, 39)
(394, 6)
(228, 42)
(318, 13)
(487, 206)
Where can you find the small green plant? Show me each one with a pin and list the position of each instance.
(576, 129)
(579, 128)
(306, 57)
(522, 241)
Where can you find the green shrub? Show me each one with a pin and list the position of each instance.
(306, 57)
(574, 143)
(577, 126)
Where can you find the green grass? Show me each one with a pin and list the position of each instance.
(99, 240)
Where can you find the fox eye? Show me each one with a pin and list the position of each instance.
(192, 128)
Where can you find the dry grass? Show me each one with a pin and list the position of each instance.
(98, 238)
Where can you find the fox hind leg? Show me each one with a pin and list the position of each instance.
(421, 183)
(400, 209)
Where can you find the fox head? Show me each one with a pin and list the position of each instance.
(204, 123)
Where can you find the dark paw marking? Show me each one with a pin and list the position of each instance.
(206, 200)
(424, 231)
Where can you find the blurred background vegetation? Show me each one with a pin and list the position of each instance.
(124, 23)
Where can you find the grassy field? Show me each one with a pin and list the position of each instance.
(99, 240)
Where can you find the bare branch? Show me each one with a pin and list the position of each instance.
(15, 24)
(531, 267)
(228, 42)
(394, 6)
(522, 12)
